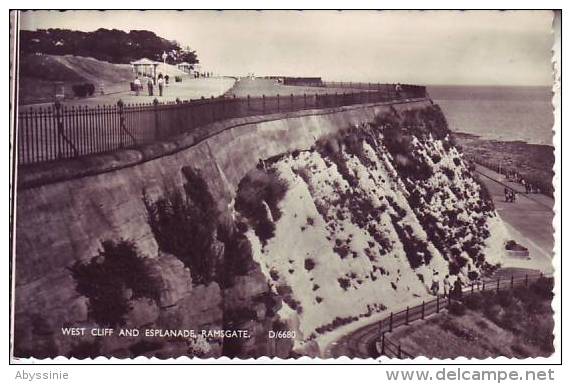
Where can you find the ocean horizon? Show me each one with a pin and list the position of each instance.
(504, 113)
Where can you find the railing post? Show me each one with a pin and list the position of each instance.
(526, 280)
(59, 123)
(291, 102)
(278, 102)
(304, 101)
(406, 318)
(438, 303)
(156, 112)
(120, 104)
(382, 344)
(213, 106)
(422, 315)
(391, 323)
(248, 102)
(264, 104)
(512, 282)
(498, 286)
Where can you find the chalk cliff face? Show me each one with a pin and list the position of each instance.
(371, 217)
(348, 212)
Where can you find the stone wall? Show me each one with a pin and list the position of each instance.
(64, 211)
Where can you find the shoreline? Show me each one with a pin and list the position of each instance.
(534, 162)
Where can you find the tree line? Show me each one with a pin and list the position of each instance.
(113, 45)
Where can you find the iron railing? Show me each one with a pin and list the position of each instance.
(59, 132)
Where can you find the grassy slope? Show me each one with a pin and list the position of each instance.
(258, 87)
(38, 74)
(519, 325)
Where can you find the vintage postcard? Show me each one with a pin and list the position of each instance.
(284, 184)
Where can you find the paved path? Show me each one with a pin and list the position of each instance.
(189, 88)
(529, 220)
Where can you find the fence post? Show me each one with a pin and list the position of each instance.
(278, 102)
(248, 102)
(264, 104)
(512, 282)
(526, 280)
(438, 303)
(121, 122)
(498, 286)
(59, 122)
(304, 101)
(406, 319)
(213, 104)
(291, 102)
(382, 344)
(422, 315)
(156, 110)
(391, 323)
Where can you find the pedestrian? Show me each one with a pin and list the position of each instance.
(161, 84)
(150, 86)
(137, 85)
(446, 285)
(507, 194)
(457, 291)
(398, 89)
(166, 79)
(435, 287)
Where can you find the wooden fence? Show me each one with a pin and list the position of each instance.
(390, 348)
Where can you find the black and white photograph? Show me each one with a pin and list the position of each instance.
(288, 184)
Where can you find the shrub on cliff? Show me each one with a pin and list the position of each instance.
(111, 279)
(258, 192)
(185, 225)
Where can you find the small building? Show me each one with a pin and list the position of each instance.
(145, 67)
(185, 67)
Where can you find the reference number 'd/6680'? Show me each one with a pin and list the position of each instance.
(281, 334)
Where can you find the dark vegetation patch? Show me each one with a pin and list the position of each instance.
(344, 283)
(109, 280)
(255, 189)
(309, 264)
(416, 250)
(184, 225)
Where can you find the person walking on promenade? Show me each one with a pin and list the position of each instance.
(167, 79)
(435, 287)
(137, 85)
(161, 83)
(457, 291)
(150, 86)
(446, 285)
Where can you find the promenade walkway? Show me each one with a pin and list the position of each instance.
(529, 220)
(189, 88)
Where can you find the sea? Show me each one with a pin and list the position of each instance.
(498, 113)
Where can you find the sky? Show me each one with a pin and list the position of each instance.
(420, 47)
